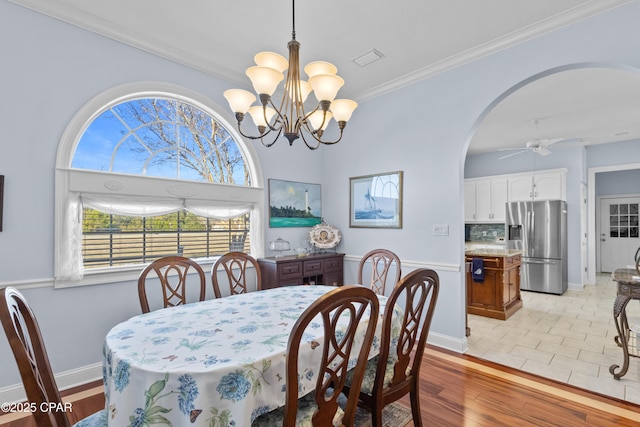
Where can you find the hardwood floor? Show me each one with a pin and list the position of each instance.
(459, 390)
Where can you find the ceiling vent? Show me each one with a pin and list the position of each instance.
(368, 58)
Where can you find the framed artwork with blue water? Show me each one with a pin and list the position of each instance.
(294, 204)
(376, 201)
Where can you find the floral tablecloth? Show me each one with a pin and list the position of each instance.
(215, 363)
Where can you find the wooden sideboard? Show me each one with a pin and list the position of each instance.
(314, 269)
(498, 296)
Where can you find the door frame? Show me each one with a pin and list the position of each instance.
(592, 207)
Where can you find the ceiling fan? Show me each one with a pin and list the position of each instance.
(539, 146)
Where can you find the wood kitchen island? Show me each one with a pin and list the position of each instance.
(498, 295)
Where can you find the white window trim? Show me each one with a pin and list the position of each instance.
(69, 180)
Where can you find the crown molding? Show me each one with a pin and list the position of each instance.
(550, 24)
(70, 15)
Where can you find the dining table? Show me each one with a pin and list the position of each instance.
(219, 362)
(628, 338)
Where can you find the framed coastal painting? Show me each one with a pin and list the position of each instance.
(376, 201)
(294, 204)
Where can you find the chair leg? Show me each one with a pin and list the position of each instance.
(415, 408)
(376, 416)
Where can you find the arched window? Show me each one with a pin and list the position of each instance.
(149, 172)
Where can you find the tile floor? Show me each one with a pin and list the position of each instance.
(568, 338)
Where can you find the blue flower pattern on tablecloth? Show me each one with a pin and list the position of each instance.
(137, 419)
(213, 360)
(204, 333)
(121, 375)
(165, 330)
(188, 392)
(241, 345)
(124, 334)
(159, 340)
(228, 336)
(247, 329)
(233, 387)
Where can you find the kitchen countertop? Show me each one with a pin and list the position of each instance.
(479, 252)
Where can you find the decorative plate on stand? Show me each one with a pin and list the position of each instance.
(324, 236)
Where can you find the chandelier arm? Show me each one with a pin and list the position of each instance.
(251, 136)
(311, 147)
(280, 118)
(317, 135)
(272, 142)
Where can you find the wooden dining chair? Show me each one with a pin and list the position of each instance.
(172, 272)
(23, 334)
(320, 407)
(381, 261)
(395, 371)
(236, 266)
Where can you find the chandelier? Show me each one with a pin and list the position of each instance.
(291, 119)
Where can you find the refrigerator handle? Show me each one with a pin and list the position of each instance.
(529, 220)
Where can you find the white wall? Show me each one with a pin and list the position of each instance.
(51, 69)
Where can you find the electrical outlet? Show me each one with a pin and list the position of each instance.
(440, 230)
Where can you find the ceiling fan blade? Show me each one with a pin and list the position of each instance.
(543, 151)
(548, 142)
(512, 154)
(510, 149)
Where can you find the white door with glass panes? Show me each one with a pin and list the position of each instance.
(619, 232)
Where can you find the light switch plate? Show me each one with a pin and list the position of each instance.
(440, 230)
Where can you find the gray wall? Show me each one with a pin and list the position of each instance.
(618, 182)
(51, 69)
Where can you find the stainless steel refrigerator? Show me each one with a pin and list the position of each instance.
(539, 228)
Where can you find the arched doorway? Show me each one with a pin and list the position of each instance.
(587, 105)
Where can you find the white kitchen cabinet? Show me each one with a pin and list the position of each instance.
(469, 201)
(485, 200)
(537, 186)
(549, 186)
(520, 188)
(499, 199)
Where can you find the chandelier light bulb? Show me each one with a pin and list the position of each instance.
(265, 80)
(342, 109)
(316, 119)
(257, 114)
(239, 100)
(271, 60)
(320, 67)
(326, 86)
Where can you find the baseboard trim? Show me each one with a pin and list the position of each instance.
(575, 286)
(447, 342)
(65, 380)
